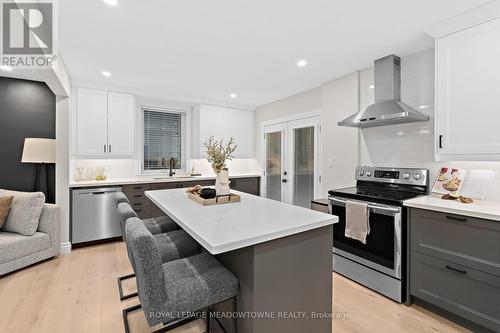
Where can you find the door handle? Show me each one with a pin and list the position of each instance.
(456, 218)
(440, 141)
(461, 271)
(284, 180)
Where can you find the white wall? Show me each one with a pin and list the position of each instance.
(339, 144)
(411, 145)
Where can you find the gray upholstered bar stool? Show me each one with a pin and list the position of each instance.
(174, 244)
(167, 290)
(121, 197)
(156, 225)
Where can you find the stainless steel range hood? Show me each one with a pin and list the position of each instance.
(388, 108)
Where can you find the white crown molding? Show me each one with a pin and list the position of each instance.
(484, 13)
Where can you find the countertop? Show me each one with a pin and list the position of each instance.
(489, 210)
(228, 227)
(149, 180)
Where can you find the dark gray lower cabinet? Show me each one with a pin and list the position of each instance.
(464, 291)
(247, 185)
(454, 265)
(146, 209)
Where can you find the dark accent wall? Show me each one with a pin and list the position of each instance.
(27, 110)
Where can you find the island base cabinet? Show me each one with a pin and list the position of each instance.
(289, 275)
(468, 293)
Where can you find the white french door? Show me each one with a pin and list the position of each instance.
(292, 161)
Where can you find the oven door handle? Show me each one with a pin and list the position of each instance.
(371, 206)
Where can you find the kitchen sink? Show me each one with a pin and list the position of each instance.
(173, 177)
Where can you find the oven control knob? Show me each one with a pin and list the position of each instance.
(406, 176)
(369, 174)
(361, 173)
(416, 176)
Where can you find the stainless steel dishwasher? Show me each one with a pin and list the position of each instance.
(94, 214)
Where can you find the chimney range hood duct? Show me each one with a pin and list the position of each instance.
(388, 108)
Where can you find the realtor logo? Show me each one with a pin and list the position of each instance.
(27, 34)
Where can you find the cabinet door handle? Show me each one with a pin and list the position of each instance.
(440, 141)
(456, 218)
(109, 148)
(461, 271)
(105, 148)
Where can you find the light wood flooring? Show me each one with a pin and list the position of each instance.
(77, 292)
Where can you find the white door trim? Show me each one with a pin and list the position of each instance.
(286, 119)
(290, 118)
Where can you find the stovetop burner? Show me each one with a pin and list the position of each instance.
(386, 185)
(391, 196)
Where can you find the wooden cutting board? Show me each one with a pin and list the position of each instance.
(215, 201)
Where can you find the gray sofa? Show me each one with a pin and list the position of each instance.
(18, 251)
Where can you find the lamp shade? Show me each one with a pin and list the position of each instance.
(39, 151)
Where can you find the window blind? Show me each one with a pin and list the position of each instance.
(162, 139)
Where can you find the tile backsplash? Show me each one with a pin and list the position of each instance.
(88, 169)
(411, 145)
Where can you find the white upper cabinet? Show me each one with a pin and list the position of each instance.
(222, 123)
(103, 123)
(91, 117)
(121, 111)
(468, 91)
(241, 126)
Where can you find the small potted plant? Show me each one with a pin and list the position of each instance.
(218, 154)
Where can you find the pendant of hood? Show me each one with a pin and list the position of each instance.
(388, 108)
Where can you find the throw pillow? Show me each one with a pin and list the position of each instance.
(5, 203)
(24, 212)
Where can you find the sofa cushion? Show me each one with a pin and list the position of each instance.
(14, 246)
(24, 212)
(5, 203)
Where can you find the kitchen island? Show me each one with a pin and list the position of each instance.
(281, 254)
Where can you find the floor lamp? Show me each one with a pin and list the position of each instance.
(40, 152)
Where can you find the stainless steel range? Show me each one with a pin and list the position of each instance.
(380, 264)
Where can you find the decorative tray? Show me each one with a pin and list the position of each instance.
(218, 200)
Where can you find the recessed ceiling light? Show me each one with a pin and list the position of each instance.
(302, 63)
(106, 73)
(6, 68)
(111, 2)
(233, 95)
(371, 86)
(423, 106)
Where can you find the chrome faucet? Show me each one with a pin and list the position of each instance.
(171, 166)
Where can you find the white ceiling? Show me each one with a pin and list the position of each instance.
(196, 50)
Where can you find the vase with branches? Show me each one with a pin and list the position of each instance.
(218, 153)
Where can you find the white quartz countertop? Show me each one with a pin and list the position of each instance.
(489, 210)
(149, 179)
(227, 227)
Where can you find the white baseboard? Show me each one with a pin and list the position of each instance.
(65, 248)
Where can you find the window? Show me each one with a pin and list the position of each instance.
(164, 138)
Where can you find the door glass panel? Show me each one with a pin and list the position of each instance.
(273, 165)
(303, 161)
